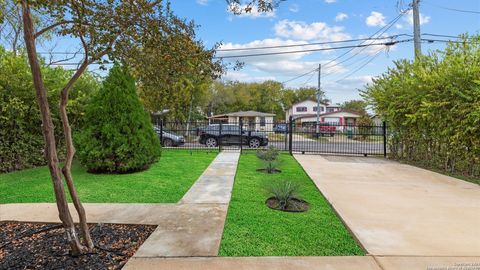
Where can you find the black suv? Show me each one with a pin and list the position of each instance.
(229, 134)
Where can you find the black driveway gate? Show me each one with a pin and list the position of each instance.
(292, 136)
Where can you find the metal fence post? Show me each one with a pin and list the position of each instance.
(161, 132)
(240, 123)
(384, 133)
(290, 134)
(220, 137)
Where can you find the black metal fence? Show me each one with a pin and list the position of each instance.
(291, 136)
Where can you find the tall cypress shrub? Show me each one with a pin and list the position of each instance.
(117, 136)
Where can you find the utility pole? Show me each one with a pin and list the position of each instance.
(416, 28)
(319, 96)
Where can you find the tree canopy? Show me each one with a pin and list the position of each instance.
(432, 107)
(358, 106)
(268, 96)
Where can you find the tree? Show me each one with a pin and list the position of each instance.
(432, 107)
(163, 83)
(101, 28)
(239, 6)
(292, 96)
(117, 136)
(358, 106)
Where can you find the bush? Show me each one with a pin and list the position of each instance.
(21, 138)
(365, 126)
(269, 158)
(284, 192)
(432, 108)
(117, 136)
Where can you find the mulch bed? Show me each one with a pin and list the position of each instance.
(294, 205)
(44, 246)
(266, 171)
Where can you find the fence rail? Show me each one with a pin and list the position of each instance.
(290, 136)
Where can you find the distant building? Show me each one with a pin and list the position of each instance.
(251, 120)
(306, 112)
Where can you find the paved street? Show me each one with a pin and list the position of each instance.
(322, 146)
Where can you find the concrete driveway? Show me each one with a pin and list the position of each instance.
(400, 210)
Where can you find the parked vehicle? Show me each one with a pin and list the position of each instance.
(169, 138)
(327, 129)
(229, 134)
(280, 128)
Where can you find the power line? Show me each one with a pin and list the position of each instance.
(313, 50)
(362, 66)
(300, 76)
(307, 44)
(379, 32)
(453, 9)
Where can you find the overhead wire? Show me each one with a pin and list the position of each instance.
(452, 9)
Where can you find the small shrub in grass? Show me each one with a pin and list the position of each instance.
(269, 158)
(117, 136)
(285, 196)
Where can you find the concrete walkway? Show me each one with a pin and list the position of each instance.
(255, 263)
(400, 210)
(193, 227)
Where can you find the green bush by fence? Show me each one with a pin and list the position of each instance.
(21, 139)
(117, 136)
(432, 107)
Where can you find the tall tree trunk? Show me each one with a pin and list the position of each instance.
(66, 170)
(48, 133)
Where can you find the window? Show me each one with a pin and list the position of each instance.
(262, 121)
(301, 109)
(315, 109)
(331, 109)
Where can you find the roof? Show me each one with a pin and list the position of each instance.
(244, 114)
(323, 103)
(324, 114)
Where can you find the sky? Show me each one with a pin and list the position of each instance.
(299, 22)
(312, 21)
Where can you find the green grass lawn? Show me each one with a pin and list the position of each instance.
(164, 182)
(252, 229)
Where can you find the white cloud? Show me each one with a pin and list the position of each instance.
(253, 12)
(330, 1)
(284, 65)
(341, 16)
(202, 2)
(375, 19)
(293, 68)
(423, 19)
(245, 77)
(398, 26)
(346, 89)
(294, 8)
(271, 42)
(299, 30)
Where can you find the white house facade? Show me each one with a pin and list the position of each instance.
(251, 120)
(306, 112)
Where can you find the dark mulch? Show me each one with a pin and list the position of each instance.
(294, 205)
(270, 172)
(44, 246)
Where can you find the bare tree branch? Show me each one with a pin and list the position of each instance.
(50, 27)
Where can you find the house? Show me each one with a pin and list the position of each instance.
(251, 120)
(308, 107)
(305, 113)
(340, 118)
